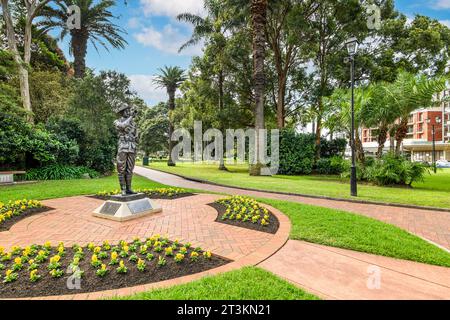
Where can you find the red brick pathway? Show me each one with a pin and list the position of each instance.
(187, 219)
(430, 225)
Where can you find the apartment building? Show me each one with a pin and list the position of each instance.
(419, 141)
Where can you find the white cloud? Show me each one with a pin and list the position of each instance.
(171, 8)
(146, 89)
(445, 22)
(441, 4)
(134, 23)
(169, 40)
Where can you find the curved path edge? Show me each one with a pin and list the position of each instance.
(431, 225)
(389, 204)
(275, 244)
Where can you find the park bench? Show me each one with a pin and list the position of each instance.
(7, 177)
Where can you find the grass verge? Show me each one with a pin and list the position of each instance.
(248, 283)
(433, 192)
(355, 232)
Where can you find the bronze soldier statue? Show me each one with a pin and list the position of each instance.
(126, 155)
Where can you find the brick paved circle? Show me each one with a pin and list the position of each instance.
(187, 219)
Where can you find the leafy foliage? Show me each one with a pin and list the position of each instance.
(296, 153)
(60, 172)
(331, 166)
(390, 170)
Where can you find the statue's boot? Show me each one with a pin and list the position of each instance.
(123, 185)
(128, 179)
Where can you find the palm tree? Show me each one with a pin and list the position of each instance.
(379, 114)
(259, 20)
(408, 93)
(170, 78)
(339, 102)
(96, 28)
(213, 28)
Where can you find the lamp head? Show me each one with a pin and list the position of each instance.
(352, 45)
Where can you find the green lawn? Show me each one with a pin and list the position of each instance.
(351, 231)
(434, 191)
(309, 223)
(245, 284)
(65, 188)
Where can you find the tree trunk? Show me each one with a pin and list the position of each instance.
(79, 49)
(318, 130)
(381, 139)
(23, 71)
(221, 106)
(259, 20)
(360, 156)
(400, 134)
(280, 101)
(171, 105)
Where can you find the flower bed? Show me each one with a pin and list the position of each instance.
(14, 211)
(46, 270)
(160, 193)
(247, 213)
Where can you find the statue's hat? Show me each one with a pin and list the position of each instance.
(122, 107)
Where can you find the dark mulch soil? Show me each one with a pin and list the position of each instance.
(155, 196)
(90, 282)
(272, 228)
(7, 224)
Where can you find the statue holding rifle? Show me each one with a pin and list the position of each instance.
(128, 140)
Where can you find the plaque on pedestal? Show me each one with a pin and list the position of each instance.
(124, 208)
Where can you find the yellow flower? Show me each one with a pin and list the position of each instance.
(121, 264)
(103, 268)
(31, 261)
(207, 254)
(47, 245)
(8, 272)
(114, 255)
(23, 207)
(94, 258)
(2, 250)
(97, 249)
(194, 254)
(18, 261)
(55, 259)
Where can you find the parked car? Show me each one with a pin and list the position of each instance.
(443, 164)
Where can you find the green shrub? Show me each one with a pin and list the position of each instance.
(332, 148)
(296, 153)
(329, 166)
(60, 172)
(391, 170)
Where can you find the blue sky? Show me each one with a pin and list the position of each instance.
(154, 37)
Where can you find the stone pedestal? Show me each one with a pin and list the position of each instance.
(124, 208)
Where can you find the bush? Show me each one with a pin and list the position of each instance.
(60, 172)
(332, 148)
(23, 145)
(96, 153)
(297, 153)
(392, 170)
(329, 166)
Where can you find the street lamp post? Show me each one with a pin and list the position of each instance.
(433, 133)
(352, 48)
